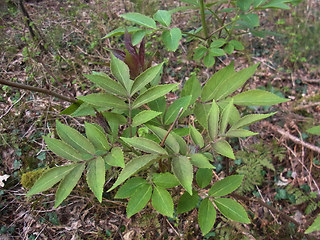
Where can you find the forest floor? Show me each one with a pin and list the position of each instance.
(287, 157)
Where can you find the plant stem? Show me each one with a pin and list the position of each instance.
(129, 118)
(203, 19)
(36, 89)
(171, 127)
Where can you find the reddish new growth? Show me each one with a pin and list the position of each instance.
(133, 57)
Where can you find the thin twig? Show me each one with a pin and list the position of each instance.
(171, 127)
(291, 137)
(9, 109)
(36, 89)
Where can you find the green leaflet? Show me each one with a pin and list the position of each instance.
(162, 201)
(237, 45)
(222, 147)
(196, 137)
(201, 161)
(239, 133)
(170, 142)
(139, 199)
(213, 121)
(314, 130)
(163, 17)
(192, 88)
(97, 136)
(127, 189)
(152, 94)
(146, 77)
(145, 145)
(182, 143)
(121, 72)
(108, 84)
(225, 116)
(50, 178)
(63, 150)
(115, 158)
(140, 19)
(96, 176)
(244, 5)
(201, 111)
(187, 202)
(165, 180)
(206, 216)
(315, 226)
(226, 186)
(174, 108)
(249, 119)
(138, 36)
(68, 183)
(257, 97)
(72, 108)
(143, 117)
(74, 138)
(281, 4)
(204, 177)
(134, 166)
(158, 105)
(225, 82)
(104, 100)
(183, 170)
(232, 210)
(121, 31)
(171, 38)
(209, 59)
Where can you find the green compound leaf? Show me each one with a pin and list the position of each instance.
(174, 108)
(63, 150)
(145, 145)
(139, 199)
(232, 210)
(226, 186)
(196, 137)
(204, 177)
(201, 161)
(96, 176)
(152, 94)
(104, 100)
(134, 166)
(314, 130)
(144, 116)
(192, 88)
(115, 158)
(257, 97)
(170, 142)
(140, 19)
(165, 180)
(182, 169)
(171, 38)
(68, 183)
(146, 77)
(249, 119)
(97, 136)
(108, 84)
(223, 147)
(74, 138)
(206, 216)
(225, 82)
(187, 202)
(121, 72)
(162, 201)
(50, 178)
(213, 121)
(315, 226)
(163, 17)
(127, 189)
